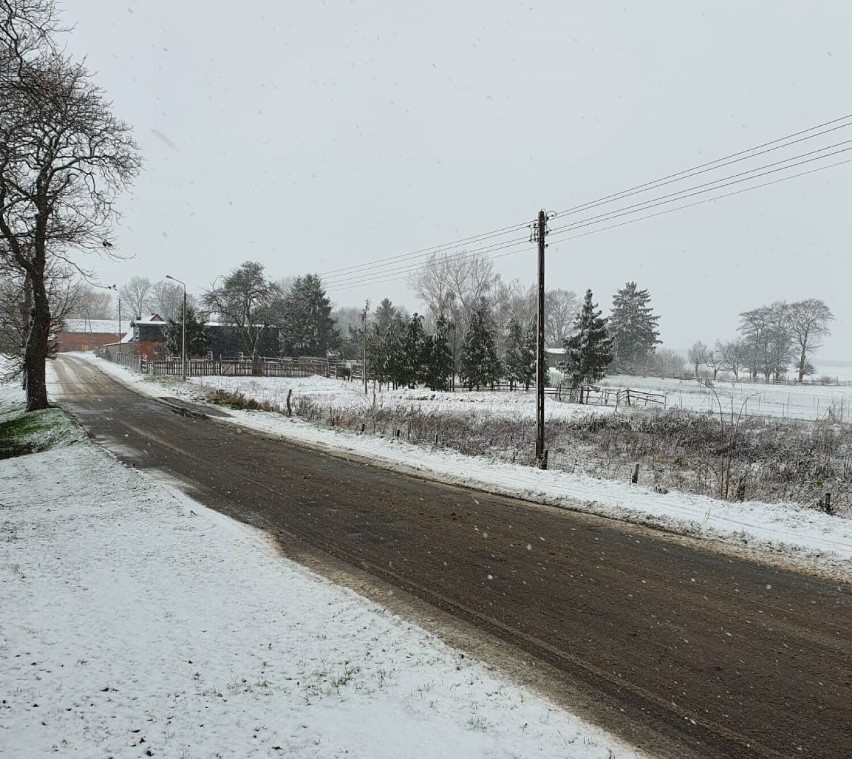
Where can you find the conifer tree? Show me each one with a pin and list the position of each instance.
(633, 328)
(415, 353)
(197, 341)
(480, 364)
(589, 349)
(392, 351)
(383, 319)
(305, 318)
(519, 361)
(440, 367)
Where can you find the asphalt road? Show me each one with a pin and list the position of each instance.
(679, 651)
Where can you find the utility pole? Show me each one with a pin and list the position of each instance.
(182, 328)
(120, 336)
(364, 365)
(538, 235)
(454, 356)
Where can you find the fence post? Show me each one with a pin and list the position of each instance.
(827, 503)
(635, 478)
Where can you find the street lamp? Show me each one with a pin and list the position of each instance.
(118, 295)
(182, 328)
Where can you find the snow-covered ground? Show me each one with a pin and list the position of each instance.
(805, 536)
(337, 394)
(136, 622)
(808, 401)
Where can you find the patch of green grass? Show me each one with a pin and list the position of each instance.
(36, 431)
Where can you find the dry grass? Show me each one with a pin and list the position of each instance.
(752, 458)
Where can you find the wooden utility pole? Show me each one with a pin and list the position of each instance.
(364, 365)
(539, 233)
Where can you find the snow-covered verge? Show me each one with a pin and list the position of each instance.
(138, 623)
(780, 531)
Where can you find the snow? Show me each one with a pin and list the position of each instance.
(807, 402)
(781, 531)
(137, 622)
(339, 395)
(99, 326)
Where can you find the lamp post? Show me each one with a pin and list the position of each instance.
(182, 328)
(118, 295)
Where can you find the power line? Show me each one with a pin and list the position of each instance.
(721, 183)
(564, 230)
(718, 163)
(398, 266)
(652, 215)
(403, 270)
(424, 252)
(406, 269)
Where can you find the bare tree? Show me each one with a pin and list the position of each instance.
(665, 363)
(137, 296)
(63, 293)
(166, 299)
(93, 303)
(511, 302)
(246, 299)
(732, 355)
(808, 321)
(714, 362)
(697, 355)
(768, 340)
(560, 312)
(453, 284)
(63, 159)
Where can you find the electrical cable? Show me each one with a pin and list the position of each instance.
(713, 165)
(747, 154)
(407, 263)
(688, 192)
(410, 268)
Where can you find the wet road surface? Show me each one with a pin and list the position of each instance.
(681, 652)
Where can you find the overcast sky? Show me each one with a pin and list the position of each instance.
(312, 136)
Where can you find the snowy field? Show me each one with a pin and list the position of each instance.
(338, 394)
(806, 402)
(781, 531)
(138, 623)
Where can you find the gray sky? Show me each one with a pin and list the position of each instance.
(311, 136)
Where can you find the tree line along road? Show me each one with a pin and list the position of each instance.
(679, 651)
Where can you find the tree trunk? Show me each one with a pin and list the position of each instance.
(802, 362)
(35, 353)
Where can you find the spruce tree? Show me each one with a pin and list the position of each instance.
(530, 352)
(305, 319)
(377, 341)
(392, 350)
(414, 353)
(633, 328)
(588, 352)
(439, 367)
(519, 362)
(480, 364)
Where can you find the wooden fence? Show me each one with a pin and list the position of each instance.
(238, 367)
(310, 366)
(608, 396)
